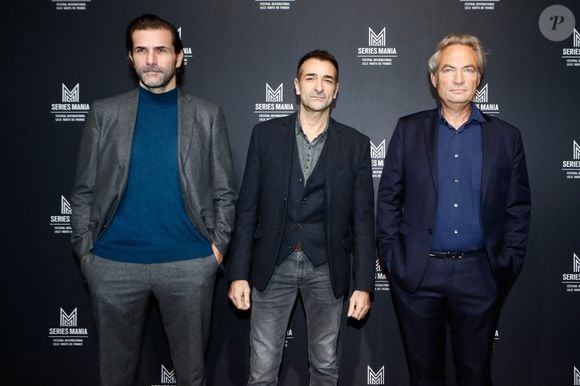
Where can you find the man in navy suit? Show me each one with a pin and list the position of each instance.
(453, 214)
(304, 225)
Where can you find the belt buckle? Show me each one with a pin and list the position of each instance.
(455, 255)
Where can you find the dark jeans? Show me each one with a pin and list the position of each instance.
(120, 295)
(271, 309)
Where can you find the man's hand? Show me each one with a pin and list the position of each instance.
(359, 305)
(218, 255)
(239, 294)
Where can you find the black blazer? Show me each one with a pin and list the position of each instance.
(407, 198)
(349, 212)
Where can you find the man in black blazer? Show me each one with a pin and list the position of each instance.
(453, 215)
(304, 225)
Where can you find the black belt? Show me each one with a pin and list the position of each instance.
(456, 254)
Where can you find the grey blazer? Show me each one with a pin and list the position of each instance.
(205, 168)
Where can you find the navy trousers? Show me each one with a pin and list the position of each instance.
(460, 294)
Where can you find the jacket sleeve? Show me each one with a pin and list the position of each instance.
(239, 265)
(224, 194)
(390, 198)
(83, 191)
(363, 228)
(516, 217)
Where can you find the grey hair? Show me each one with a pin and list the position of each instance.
(461, 39)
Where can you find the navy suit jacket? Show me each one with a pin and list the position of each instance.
(261, 208)
(407, 199)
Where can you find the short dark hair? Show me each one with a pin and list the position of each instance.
(320, 55)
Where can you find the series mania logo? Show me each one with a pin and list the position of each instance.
(274, 105)
(571, 280)
(68, 333)
(377, 53)
(70, 109)
(571, 168)
(60, 223)
(378, 154)
(481, 100)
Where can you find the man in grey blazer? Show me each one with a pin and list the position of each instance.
(153, 209)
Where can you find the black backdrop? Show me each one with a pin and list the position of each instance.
(61, 55)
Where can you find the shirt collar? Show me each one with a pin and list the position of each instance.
(298, 129)
(474, 116)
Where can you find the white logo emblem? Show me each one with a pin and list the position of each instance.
(576, 377)
(575, 263)
(376, 378)
(68, 320)
(481, 95)
(72, 95)
(167, 377)
(276, 95)
(378, 40)
(575, 150)
(378, 151)
(576, 38)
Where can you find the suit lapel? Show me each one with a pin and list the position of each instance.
(487, 157)
(126, 129)
(286, 149)
(185, 122)
(430, 129)
(332, 149)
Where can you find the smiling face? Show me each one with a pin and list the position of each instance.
(155, 60)
(457, 77)
(316, 85)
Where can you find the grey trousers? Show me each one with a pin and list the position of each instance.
(120, 295)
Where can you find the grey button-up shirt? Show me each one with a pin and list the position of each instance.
(308, 152)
